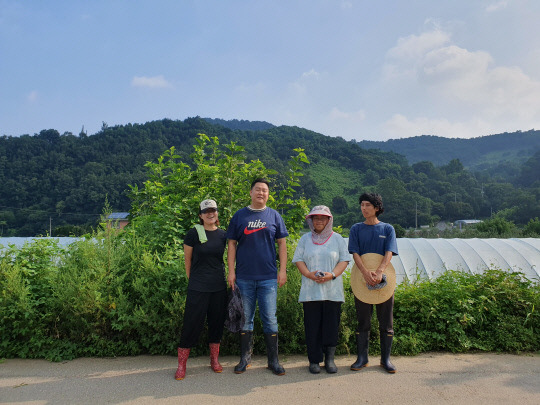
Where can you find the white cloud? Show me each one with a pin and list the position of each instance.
(337, 115)
(155, 82)
(415, 46)
(32, 96)
(467, 79)
(474, 96)
(497, 6)
(301, 86)
(402, 59)
(453, 63)
(312, 74)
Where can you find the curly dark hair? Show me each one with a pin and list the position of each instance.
(374, 199)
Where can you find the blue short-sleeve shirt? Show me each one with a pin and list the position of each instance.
(379, 238)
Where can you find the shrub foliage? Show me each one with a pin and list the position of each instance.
(114, 299)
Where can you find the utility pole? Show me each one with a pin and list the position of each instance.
(50, 226)
(416, 215)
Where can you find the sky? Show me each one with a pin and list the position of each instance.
(358, 69)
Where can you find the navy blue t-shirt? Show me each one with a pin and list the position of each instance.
(256, 233)
(379, 238)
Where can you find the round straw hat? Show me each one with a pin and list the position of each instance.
(359, 285)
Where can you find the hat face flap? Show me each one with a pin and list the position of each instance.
(359, 286)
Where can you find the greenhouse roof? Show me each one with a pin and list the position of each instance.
(428, 258)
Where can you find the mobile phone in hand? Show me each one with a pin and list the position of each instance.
(319, 273)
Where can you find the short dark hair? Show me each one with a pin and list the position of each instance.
(259, 180)
(374, 199)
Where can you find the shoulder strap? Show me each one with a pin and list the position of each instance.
(201, 232)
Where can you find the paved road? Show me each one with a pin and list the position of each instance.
(424, 379)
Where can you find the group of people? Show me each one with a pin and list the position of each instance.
(321, 257)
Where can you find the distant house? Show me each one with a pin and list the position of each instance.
(462, 223)
(117, 220)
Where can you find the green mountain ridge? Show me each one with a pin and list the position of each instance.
(52, 180)
(481, 153)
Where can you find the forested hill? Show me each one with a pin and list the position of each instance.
(242, 125)
(59, 181)
(480, 153)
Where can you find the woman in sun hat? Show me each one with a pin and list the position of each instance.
(204, 246)
(321, 256)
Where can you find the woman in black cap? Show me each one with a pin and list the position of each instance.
(204, 246)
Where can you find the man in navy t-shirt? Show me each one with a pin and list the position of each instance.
(252, 234)
(373, 236)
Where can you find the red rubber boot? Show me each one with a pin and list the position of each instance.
(214, 354)
(183, 355)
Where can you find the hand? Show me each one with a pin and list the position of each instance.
(377, 277)
(368, 276)
(327, 277)
(231, 278)
(281, 278)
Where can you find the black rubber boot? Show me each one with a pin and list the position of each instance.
(246, 347)
(271, 340)
(386, 347)
(314, 368)
(362, 345)
(329, 364)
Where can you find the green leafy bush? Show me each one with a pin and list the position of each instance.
(458, 312)
(108, 296)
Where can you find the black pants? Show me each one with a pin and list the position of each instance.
(201, 305)
(385, 315)
(321, 325)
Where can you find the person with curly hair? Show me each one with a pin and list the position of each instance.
(373, 236)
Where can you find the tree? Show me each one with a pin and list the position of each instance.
(400, 231)
(532, 229)
(497, 226)
(530, 171)
(167, 204)
(339, 205)
(454, 166)
(458, 210)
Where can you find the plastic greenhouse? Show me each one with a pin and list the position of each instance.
(428, 258)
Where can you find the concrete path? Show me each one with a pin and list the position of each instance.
(424, 379)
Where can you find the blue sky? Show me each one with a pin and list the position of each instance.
(357, 69)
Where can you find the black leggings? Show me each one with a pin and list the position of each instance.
(201, 305)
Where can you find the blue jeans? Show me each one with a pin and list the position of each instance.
(265, 292)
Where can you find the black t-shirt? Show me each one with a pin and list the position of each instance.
(207, 267)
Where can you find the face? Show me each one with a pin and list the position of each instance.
(368, 209)
(209, 216)
(259, 195)
(319, 222)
